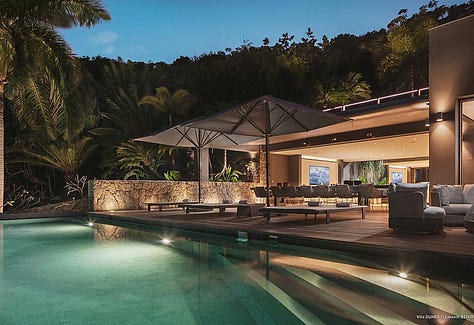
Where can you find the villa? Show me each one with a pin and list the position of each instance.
(127, 263)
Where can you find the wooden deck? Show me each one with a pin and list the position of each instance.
(345, 228)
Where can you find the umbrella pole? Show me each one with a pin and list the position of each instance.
(199, 173)
(267, 168)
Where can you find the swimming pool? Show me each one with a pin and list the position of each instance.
(65, 271)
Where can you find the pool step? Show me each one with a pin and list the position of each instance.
(357, 301)
(431, 297)
(299, 311)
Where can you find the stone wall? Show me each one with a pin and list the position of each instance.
(134, 194)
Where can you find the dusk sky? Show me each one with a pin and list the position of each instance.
(152, 31)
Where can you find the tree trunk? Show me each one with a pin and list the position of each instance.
(2, 148)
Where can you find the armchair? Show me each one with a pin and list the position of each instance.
(408, 210)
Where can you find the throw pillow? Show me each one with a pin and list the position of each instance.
(443, 192)
(455, 193)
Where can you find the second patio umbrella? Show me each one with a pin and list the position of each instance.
(267, 116)
(184, 135)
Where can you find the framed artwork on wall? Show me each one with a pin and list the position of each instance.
(318, 175)
(397, 177)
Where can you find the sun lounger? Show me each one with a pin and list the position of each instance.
(314, 210)
(160, 205)
(189, 207)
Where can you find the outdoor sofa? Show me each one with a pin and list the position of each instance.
(408, 209)
(455, 200)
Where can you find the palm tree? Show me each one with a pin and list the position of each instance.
(351, 88)
(354, 88)
(56, 128)
(65, 156)
(124, 85)
(30, 47)
(178, 102)
(139, 160)
(326, 93)
(123, 119)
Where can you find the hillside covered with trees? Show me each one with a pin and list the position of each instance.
(65, 123)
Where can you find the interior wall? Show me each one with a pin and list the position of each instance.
(294, 170)
(279, 169)
(451, 76)
(333, 170)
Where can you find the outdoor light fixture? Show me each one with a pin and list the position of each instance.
(403, 275)
(90, 224)
(427, 122)
(439, 117)
(166, 241)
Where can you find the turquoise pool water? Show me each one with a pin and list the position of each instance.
(66, 272)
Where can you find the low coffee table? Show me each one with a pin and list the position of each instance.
(324, 209)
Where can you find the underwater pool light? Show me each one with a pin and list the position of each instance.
(166, 241)
(90, 224)
(403, 275)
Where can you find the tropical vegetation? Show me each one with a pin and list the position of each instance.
(38, 70)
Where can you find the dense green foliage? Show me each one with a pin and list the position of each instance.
(43, 85)
(84, 122)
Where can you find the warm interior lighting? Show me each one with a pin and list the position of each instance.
(403, 275)
(427, 122)
(318, 158)
(439, 117)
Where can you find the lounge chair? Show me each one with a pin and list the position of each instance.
(408, 210)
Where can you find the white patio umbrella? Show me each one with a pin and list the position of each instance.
(184, 135)
(267, 116)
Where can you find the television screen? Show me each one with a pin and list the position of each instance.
(318, 175)
(397, 177)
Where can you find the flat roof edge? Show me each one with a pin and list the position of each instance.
(451, 22)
